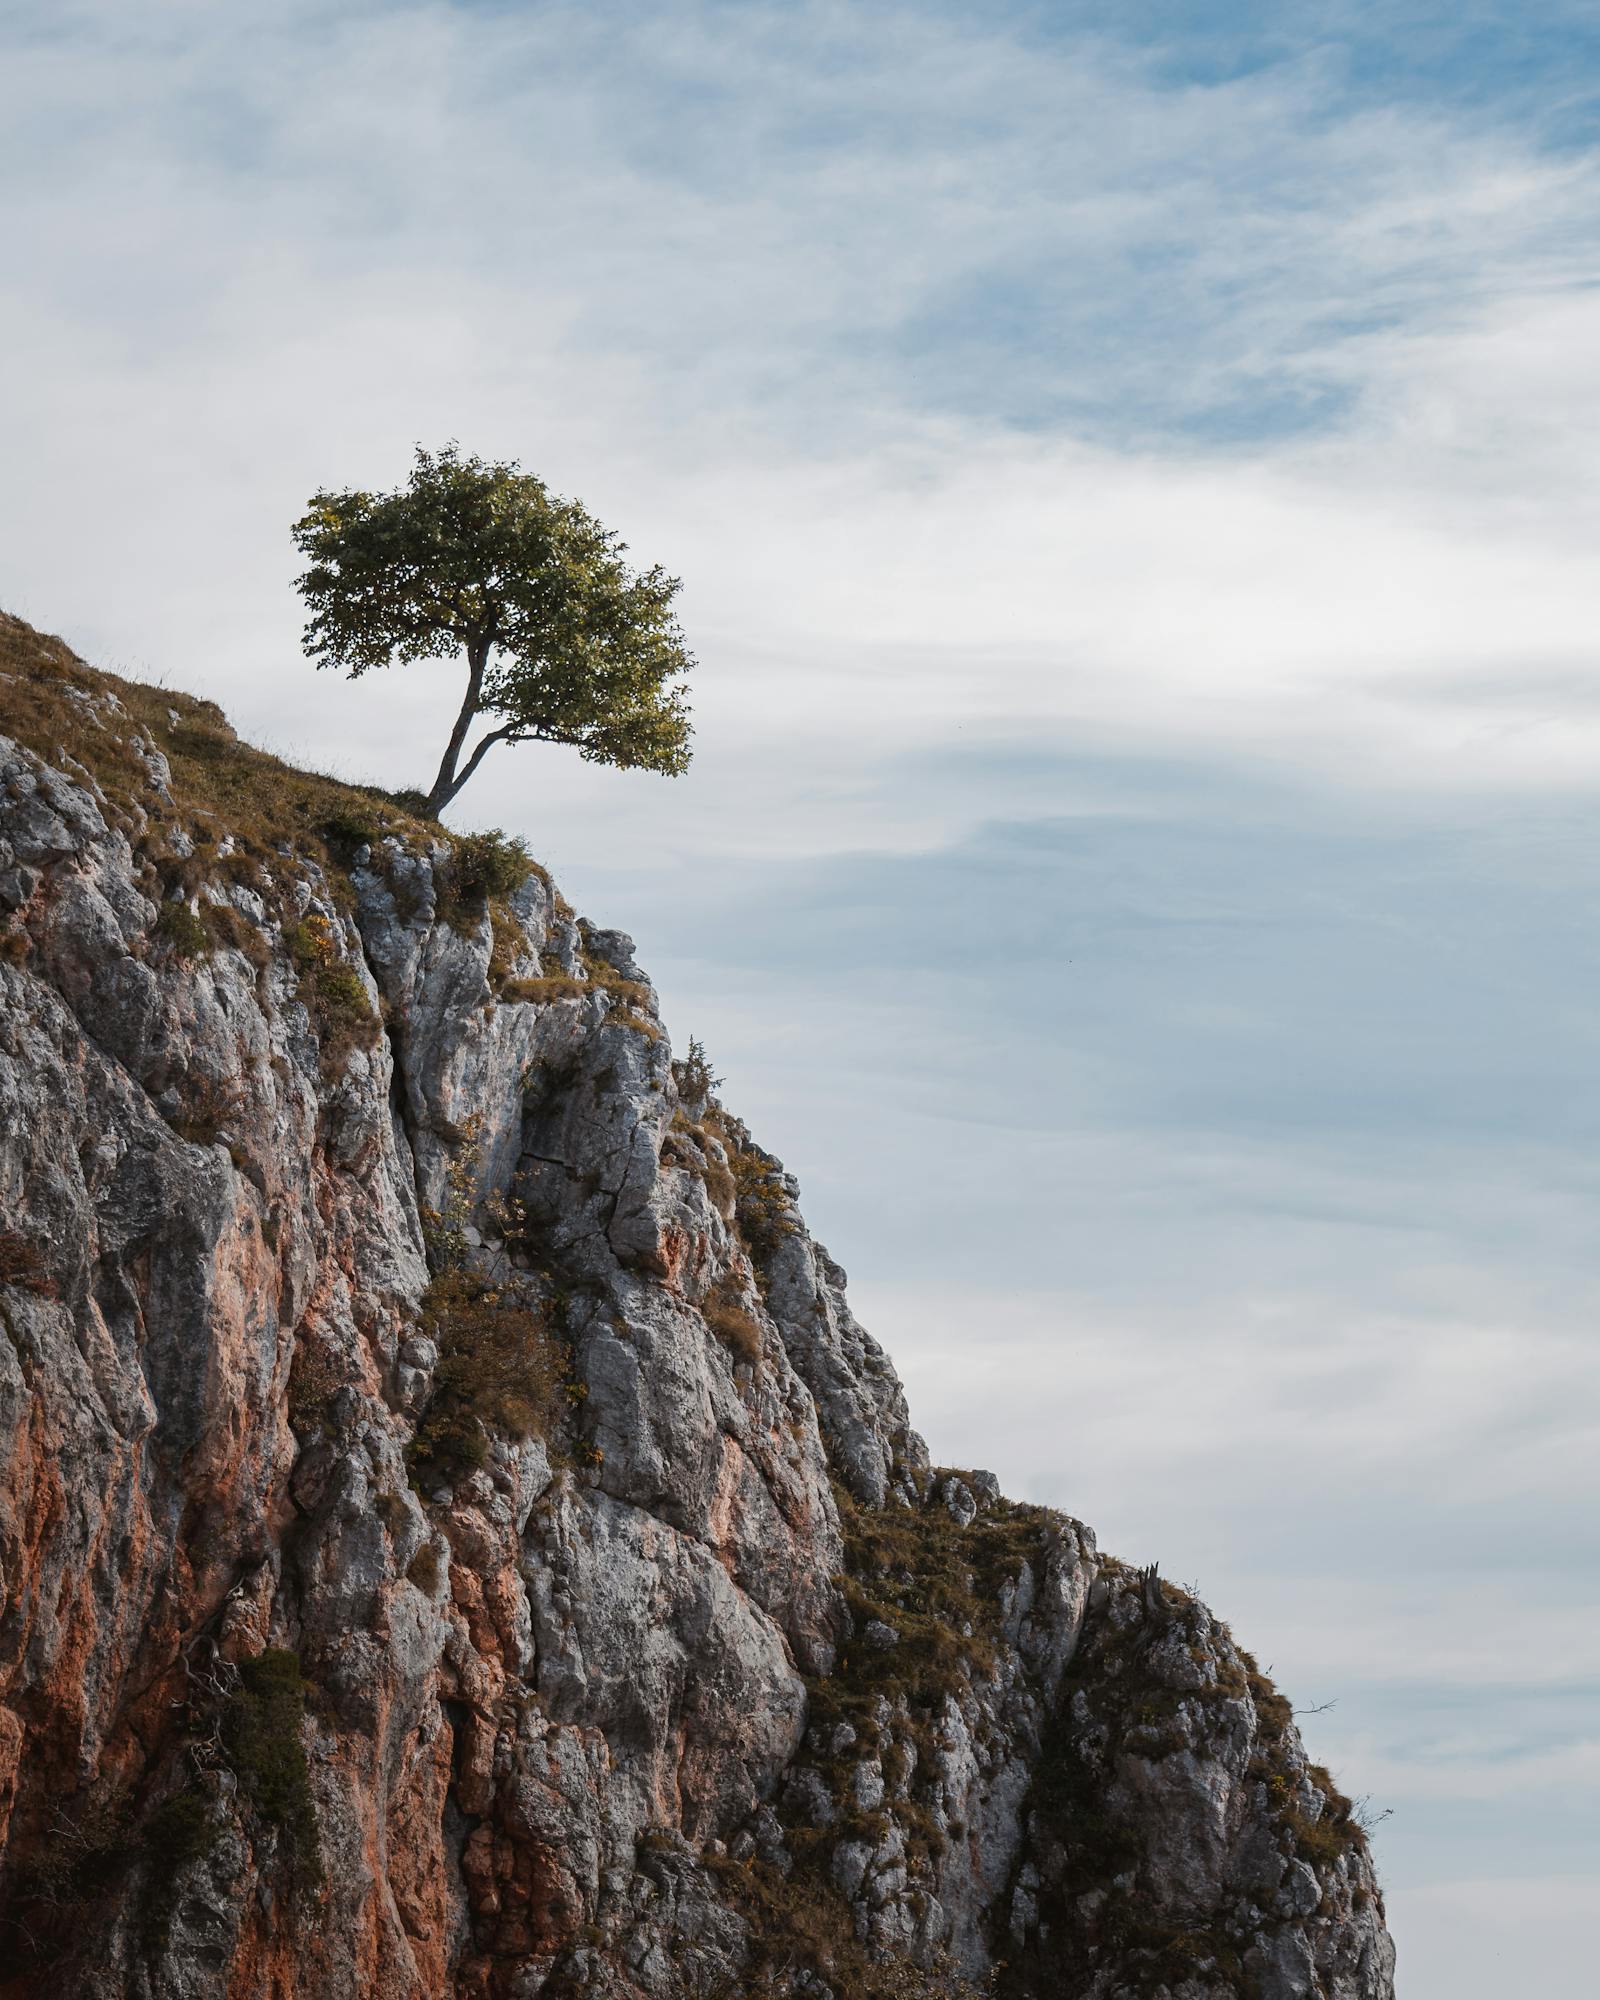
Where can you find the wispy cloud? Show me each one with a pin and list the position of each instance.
(1135, 473)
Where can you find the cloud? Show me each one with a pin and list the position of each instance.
(1134, 474)
(732, 273)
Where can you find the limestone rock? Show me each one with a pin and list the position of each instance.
(456, 1538)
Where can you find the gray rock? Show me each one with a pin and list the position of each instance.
(557, 1691)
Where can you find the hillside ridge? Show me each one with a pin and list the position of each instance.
(457, 1539)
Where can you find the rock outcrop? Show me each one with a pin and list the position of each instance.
(455, 1538)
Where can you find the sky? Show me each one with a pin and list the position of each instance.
(1134, 474)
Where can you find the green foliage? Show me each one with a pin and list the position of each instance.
(178, 926)
(331, 988)
(311, 942)
(181, 1831)
(349, 828)
(937, 1585)
(85, 1850)
(480, 866)
(563, 643)
(261, 1729)
(500, 1370)
(692, 1073)
(762, 1208)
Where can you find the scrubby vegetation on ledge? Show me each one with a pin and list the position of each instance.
(241, 808)
(500, 1371)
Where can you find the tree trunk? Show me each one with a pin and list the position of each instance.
(447, 784)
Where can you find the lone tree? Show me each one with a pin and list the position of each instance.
(562, 642)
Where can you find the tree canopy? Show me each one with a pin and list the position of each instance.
(562, 642)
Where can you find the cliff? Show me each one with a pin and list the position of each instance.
(456, 1538)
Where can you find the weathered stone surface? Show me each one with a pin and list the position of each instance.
(484, 1368)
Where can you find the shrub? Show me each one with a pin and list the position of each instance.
(344, 1013)
(347, 829)
(211, 1104)
(331, 989)
(177, 926)
(180, 1832)
(629, 1017)
(508, 945)
(548, 987)
(692, 1073)
(733, 1324)
(762, 1209)
(410, 800)
(314, 1381)
(41, 1917)
(261, 1727)
(231, 930)
(499, 1369)
(311, 942)
(1334, 1832)
(1273, 1712)
(479, 867)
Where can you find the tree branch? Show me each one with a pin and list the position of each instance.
(445, 789)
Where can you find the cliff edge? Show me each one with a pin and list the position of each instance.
(455, 1538)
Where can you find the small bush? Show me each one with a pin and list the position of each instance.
(1273, 1712)
(1336, 1830)
(640, 1024)
(261, 1733)
(314, 1381)
(231, 930)
(178, 927)
(762, 1208)
(479, 867)
(211, 1104)
(734, 1325)
(500, 1370)
(180, 1832)
(410, 800)
(509, 944)
(331, 989)
(49, 1894)
(692, 1073)
(311, 942)
(347, 830)
(343, 1008)
(550, 986)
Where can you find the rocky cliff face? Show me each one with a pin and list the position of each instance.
(455, 1537)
